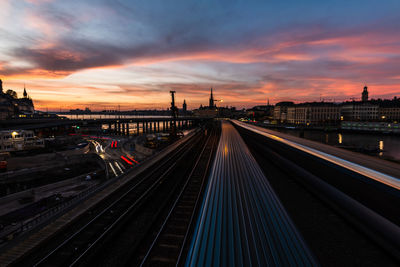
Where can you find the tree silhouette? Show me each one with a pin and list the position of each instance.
(12, 93)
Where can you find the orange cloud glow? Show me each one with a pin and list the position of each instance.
(297, 65)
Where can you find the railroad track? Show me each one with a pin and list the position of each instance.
(82, 237)
(241, 221)
(170, 243)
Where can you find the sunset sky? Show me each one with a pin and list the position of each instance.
(105, 53)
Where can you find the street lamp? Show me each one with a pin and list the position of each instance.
(218, 100)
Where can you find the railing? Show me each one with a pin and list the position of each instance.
(44, 216)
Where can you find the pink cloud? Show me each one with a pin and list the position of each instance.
(38, 2)
(299, 66)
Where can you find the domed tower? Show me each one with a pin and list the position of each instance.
(364, 95)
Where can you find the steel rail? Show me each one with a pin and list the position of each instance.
(241, 221)
(155, 184)
(192, 217)
(174, 204)
(109, 207)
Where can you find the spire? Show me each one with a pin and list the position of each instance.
(268, 102)
(211, 102)
(1, 86)
(25, 93)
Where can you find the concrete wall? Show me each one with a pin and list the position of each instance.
(34, 192)
(72, 159)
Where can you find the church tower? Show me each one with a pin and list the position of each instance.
(184, 107)
(211, 102)
(1, 86)
(25, 93)
(364, 95)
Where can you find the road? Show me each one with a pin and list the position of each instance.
(110, 150)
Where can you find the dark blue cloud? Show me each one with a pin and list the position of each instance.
(277, 39)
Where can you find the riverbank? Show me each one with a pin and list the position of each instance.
(382, 145)
(345, 127)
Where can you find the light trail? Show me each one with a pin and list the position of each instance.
(126, 160)
(122, 165)
(117, 165)
(112, 168)
(131, 158)
(367, 172)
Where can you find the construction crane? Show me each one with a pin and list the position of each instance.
(174, 113)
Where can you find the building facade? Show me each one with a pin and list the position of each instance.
(7, 109)
(209, 111)
(359, 111)
(313, 113)
(11, 106)
(18, 140)
(389, 114)
(264, 111)
(321, 113)
(291, 115)
(280, 111)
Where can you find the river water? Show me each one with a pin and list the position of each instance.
(382, 146)
(132, 127)
(107, 116)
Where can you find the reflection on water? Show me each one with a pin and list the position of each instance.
(107, 116)
(381, 148)
(381, 145)
(384, 146)
(134, 128)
